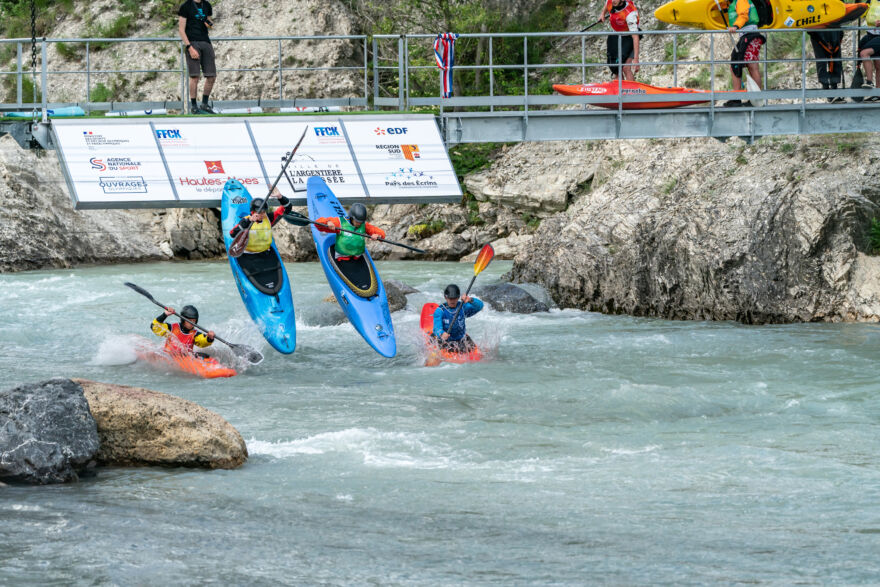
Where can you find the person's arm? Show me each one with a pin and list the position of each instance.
(243, 224)
(438, 323)
(604, 11)
(158, 326)
(473, 306)
(632, 21)
(374, 231)
(181, 30)
(330, 220)
(742, 14)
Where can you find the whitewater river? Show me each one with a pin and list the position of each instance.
(588, 449)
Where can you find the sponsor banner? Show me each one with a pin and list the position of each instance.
(201, 157)
(175, 162)
(402, 158)
(112, 163)
(324, 151)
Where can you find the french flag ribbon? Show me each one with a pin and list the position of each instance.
(444, 53)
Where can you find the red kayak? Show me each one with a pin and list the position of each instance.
(678, 96)
(205, 367)
(435, 353)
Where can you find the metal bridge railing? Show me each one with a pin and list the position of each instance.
(400, 60)
(286, 65)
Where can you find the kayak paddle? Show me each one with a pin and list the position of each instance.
(300, 220)
(240, 241)
(483, 259)
(253, 356)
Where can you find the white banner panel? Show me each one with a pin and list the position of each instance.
(113, 164)
(402, 158)
(201, 157)
(324, 151)
(177, 162)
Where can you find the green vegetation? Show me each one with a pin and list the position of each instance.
(101, 93)
(670, 185)
(532, 222)
(786, 148)
(426, 229)
(470, 157)
(874, 236)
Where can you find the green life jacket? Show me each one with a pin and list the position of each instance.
(349, 245)
(732, 15)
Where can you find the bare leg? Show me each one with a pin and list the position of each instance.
(868, 63)
(627, 72)
(209, 85)
(736, 81)
(755, 73)
(193, 87)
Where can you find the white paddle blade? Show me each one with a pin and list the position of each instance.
(752, 86)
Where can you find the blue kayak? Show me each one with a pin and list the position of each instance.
(64, 111)
(261, 278)
(356, 284)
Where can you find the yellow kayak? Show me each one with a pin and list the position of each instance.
(774, 14)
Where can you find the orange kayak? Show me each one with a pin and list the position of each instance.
(677, 96)
(205, 367)
(435, 353)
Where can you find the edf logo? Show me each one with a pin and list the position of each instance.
(168, 134)
(391, 131)
(326, 131)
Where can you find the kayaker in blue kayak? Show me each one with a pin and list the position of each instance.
(350, 247)
(455, 339)
(180, 338)
(261, 223)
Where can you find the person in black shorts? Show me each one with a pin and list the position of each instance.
(869, 50)
(194, 20)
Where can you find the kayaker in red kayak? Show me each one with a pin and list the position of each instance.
(261, 223)
(350, 247)
(454, 339)
(180, 338)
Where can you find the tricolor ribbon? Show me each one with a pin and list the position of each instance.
(444, 53)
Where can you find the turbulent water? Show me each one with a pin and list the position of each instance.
(588, 449)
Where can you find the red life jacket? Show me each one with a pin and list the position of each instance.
(617, 18)
(179, 341)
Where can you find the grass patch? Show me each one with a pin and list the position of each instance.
(101, 93)
(426, 229)
(470, 157)
(670, 185)
(532, 222)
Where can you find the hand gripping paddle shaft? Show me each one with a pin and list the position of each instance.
(240, 241)
(253, 356)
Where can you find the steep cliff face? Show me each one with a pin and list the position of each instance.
(693, 229)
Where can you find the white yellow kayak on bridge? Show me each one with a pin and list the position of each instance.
(774, 14)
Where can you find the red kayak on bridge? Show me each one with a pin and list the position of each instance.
(677, 96)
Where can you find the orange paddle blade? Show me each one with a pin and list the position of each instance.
(483, 259)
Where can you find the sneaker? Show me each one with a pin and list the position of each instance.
(837, 100)
(747, 104)
(733, 104)
(195, 110)
(830, 100)
(206, 109)
(867, 86)
(872, 99)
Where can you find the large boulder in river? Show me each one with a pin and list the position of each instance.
(507, 297)
(142, 427)
(47, 434)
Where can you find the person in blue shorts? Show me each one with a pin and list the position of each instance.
(454, 339)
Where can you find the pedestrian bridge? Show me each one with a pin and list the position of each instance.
(502, 93)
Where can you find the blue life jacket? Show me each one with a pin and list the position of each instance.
(443, 318)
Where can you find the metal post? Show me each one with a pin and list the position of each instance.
(43, 78)
(803, 74)
(711, 84)
(375, 71)
(526, 74)
(675, 59)
(184, 87)
(88, 81)
(366, 75)
(491, 78)
(619, 40)
(280, 74)
(406, 69)
(19, 76)
(583, 59)
(766, 56)
(400, 74)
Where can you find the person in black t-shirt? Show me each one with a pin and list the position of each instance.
(194, 20)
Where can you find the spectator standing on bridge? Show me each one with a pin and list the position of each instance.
(193, 22)
(623, 16)
(826, 46)
(743, 17)
(869, 51)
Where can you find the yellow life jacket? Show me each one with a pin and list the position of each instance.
(260, 237)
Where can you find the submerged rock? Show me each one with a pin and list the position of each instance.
(397, 292)
(507, 297)
(47, 434)
(142, 427)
